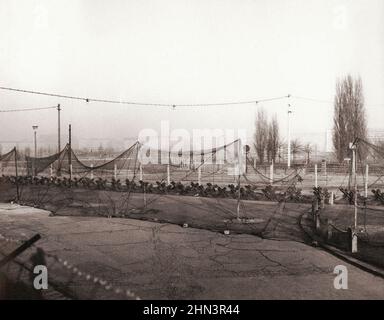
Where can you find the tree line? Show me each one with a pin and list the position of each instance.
(269, 145)
(349, 123)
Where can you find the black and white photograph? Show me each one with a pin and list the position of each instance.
(206, 152)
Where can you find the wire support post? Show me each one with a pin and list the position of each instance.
(70, 154)
(17, 177)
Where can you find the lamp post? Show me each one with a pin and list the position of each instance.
(353, 147)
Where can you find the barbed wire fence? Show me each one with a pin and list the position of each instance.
(63, 181)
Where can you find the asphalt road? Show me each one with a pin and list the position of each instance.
(165, 261)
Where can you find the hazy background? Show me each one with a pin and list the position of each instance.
(177, 52)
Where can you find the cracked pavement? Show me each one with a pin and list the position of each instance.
(166, 261)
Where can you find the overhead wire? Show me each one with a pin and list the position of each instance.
(139, 103)
(26, 109)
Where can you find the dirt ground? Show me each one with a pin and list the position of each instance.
(166, 261)
(215, 214)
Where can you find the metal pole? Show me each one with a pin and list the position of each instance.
(19, 250)
(289, 138)
(58, 128)
(316, 175)
(238, 198)
(353, 146)
(366, 180)
(355, 183)
(17, 180)
(246, 162)
(70, 155)
(35, 144)
(238, 182)
(34, 169)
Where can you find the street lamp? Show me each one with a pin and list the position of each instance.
(353, 146)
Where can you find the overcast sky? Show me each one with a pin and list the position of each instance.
(178, 52)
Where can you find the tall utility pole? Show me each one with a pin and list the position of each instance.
(239, 178)
(34, 169)
(35, 139)
(353, 148)
(58, 128)
(70, 154)
(17, 177)
(289, 138)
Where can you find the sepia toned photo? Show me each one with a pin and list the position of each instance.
(207, 152)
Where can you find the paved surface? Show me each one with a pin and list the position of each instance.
(164, 261)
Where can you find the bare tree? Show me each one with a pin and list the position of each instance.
(296, 147)
(261, 134)
(349, 121)
(273, 140)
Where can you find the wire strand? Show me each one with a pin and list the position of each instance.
(26, 109)
(143, 103)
